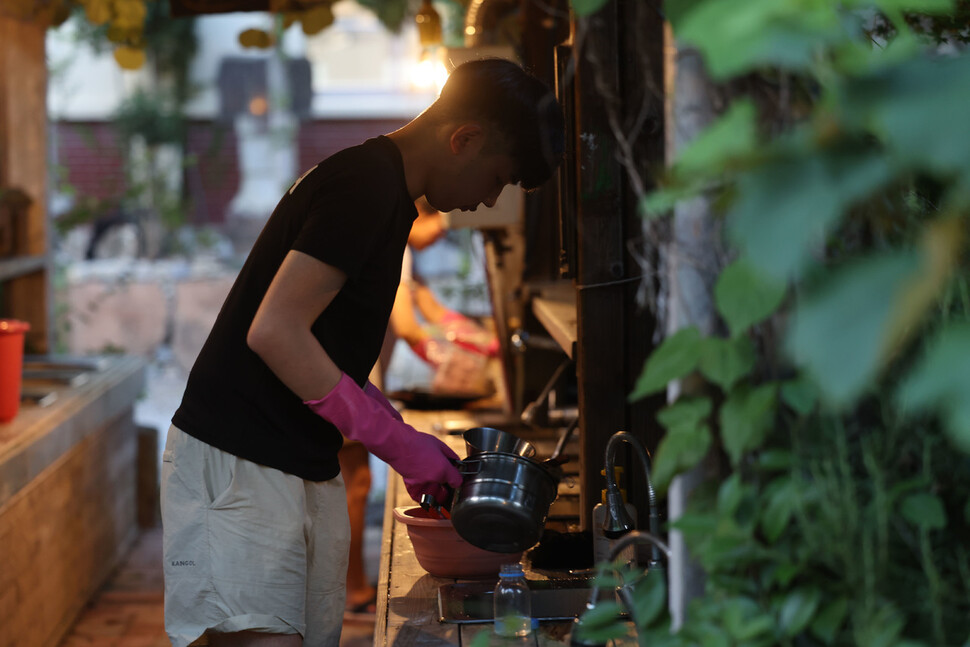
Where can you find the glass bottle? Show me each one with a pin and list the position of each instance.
(512, 603)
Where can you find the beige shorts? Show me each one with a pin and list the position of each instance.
(249, 548)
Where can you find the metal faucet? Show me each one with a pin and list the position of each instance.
(618, 522)
(540, 411)
(625, 591)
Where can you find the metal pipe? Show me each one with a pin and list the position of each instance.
(529, 413)
(618, 522)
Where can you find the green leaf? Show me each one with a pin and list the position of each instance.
(684, 415)
(785, 573)
(905, 103)
(924, 510)
(725, 361)
(701, 165)
(745, 296)
(744, 619)
(782, 503)
(730, 135)
(829, 619)
(730, 494)
(775, 460)
(687, 440)
(746, 418)
(602, 622)
(587, 7)
(922, 6)
(878, 627)
(676, 356)
(788, 204)
(799, 394)
(659, 202)
(660, 637)
(857, 58)
(650, 597)
(941, 382)
(798, 609)
(696, 525)
(607, 579)
(839, 332)
(738, 35)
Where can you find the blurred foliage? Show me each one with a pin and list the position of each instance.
(147, 119)
(144, 114)
(837, 392)
(130, 25)
(391, 13)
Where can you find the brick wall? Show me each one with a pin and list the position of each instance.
(89, 157)
(212, 172)
(320, 139)
(92, 159)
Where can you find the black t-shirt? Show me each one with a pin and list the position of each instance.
(352, 211)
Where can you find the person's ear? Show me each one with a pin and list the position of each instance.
(465, 136)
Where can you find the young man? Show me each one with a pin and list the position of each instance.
(253, 505)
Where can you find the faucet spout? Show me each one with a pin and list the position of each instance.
(618, 522)
(625, 591)
(639, 537)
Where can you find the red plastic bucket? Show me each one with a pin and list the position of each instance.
(11, 366)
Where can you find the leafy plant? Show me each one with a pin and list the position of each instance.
(837, 395)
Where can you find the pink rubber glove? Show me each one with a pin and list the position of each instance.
(469, 335)
(422, 460)
(375, 394)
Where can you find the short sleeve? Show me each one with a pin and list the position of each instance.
(347, 217)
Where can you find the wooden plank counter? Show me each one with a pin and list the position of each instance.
(407, 599)
(68, 483)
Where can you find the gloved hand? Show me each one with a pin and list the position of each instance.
(375, 394)
(464, 332)
(422, 460)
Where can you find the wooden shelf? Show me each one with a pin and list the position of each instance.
(556, 311)
(14, 266)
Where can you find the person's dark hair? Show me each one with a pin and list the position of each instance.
(518, 105)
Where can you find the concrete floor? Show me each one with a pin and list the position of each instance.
(129, 611)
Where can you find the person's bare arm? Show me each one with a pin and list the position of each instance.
(404, 322)
(280, 333)
(429, 306)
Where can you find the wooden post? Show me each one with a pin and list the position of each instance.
(23, 165)
(617, 55)
(599, 250)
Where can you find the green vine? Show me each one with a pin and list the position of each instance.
(844, 518)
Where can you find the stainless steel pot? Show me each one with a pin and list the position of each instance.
(487, 439)
(503, 501)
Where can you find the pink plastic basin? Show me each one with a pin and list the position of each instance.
(443, 553)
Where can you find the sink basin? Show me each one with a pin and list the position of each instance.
(471, 602)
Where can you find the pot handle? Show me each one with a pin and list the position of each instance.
(463, 465)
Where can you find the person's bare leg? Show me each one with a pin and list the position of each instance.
(255, 639)
(356, 472)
